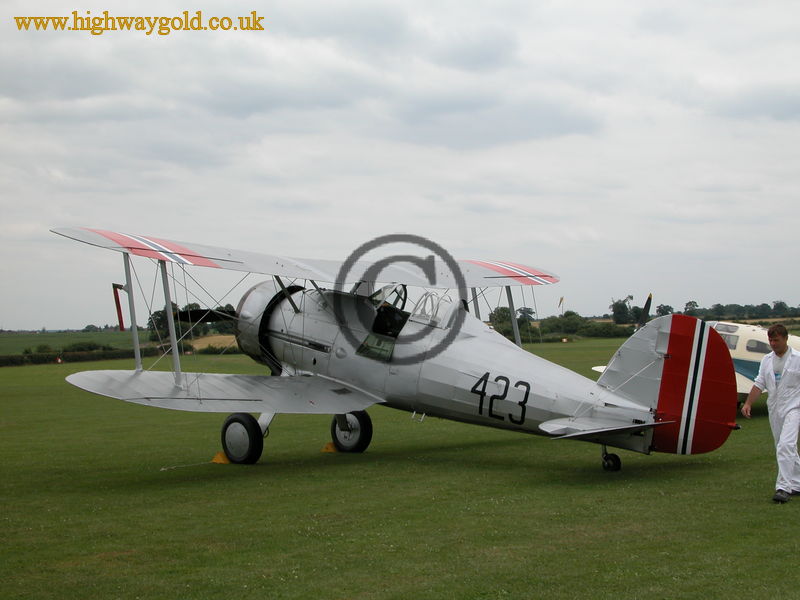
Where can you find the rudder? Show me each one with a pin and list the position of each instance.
(697, 393)
(680, 369)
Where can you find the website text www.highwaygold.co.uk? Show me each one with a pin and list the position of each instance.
(104, 22)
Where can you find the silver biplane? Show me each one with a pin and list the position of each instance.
(340, 349)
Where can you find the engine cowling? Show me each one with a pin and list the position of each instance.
(254, 311)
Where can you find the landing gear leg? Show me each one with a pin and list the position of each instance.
(264, 420)
(611, 462)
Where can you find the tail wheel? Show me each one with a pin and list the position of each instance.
(352, 432)
(611, 462)
(242, 440)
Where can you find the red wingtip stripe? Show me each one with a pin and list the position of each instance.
(520, 273)
(193, 257)
(156, 249)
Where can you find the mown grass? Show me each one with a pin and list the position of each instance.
(110, 500)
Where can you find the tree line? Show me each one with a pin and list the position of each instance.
(157, 323)
(553, 329)
(624, 317)
(623, 312)
(159, 330)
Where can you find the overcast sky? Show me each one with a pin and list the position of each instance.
(627, 146)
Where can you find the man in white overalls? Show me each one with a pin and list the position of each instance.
(779, 375)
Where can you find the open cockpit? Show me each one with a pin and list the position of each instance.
(432, 309)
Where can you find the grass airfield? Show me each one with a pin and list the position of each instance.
(105, 499)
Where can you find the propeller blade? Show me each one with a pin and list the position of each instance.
(645, 311)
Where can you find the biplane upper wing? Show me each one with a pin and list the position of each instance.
(216, 392)
(476, 273)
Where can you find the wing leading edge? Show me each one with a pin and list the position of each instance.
(477, 273)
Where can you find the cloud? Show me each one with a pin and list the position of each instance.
(359, 25)
(501, 124)
(769, 101)
(481, 49)
(621, 145)
(41, 78)
(661, 21)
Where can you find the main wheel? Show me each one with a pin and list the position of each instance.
(611, 462)
(241, 439)
(359, 436)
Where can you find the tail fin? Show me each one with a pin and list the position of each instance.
(679, 368)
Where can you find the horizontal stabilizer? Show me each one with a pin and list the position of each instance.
(215, 392)
(743, 384)
(586, 427)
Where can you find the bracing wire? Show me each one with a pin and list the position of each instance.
(530, 339)
(149, 305)
(214, 300)
(186, 294)
(150, 302)
(172, 277)
(538, 317)
(488, 306)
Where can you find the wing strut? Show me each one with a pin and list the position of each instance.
(477, 310)
(287, 294)
(321, 295)
(514, 324)
(173, 340)
(137, 353)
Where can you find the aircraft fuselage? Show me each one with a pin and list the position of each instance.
(479, 378)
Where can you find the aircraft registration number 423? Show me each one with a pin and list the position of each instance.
(480, 389)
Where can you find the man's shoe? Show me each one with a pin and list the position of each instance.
(781, 497)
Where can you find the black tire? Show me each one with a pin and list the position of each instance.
(241, 439)
(359, 436)
(611, 462)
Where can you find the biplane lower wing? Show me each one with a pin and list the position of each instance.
(214, 392)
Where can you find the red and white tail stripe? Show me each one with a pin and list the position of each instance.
(692, 395)
(697, 391)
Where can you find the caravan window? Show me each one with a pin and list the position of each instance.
(730, 340)
(757, 346)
